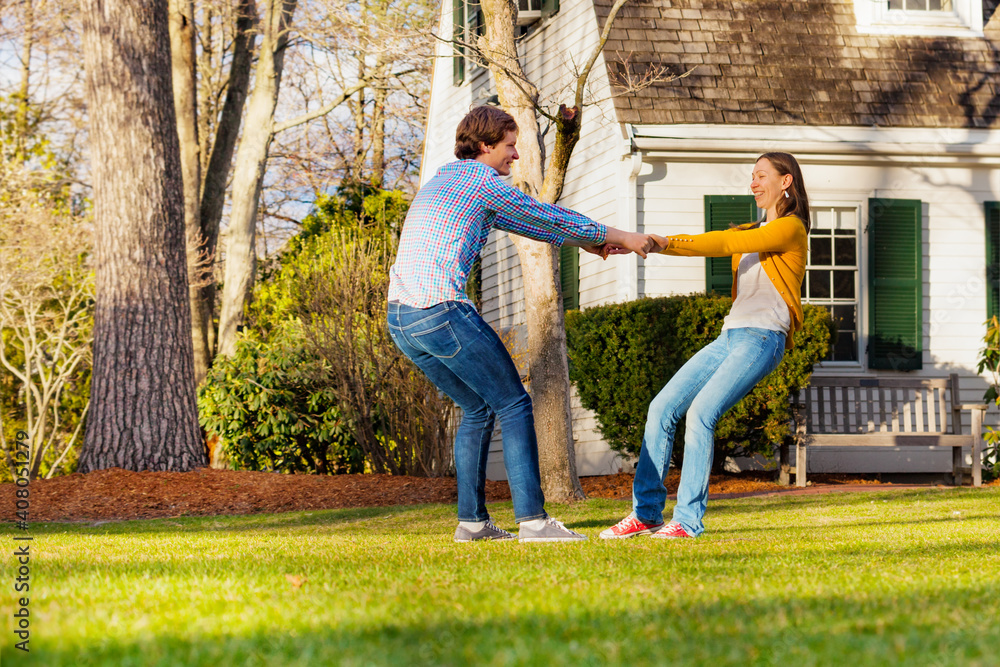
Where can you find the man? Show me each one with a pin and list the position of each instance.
(434, 323)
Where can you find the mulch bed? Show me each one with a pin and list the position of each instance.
(116, 494)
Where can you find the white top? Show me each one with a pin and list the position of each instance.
(758, 303)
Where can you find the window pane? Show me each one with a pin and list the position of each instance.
(846, 347)
(843, 284)
(819, 284)
(820, 252)
(895, 4)
(844, 316)
(845, 252)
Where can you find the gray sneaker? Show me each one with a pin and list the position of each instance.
(551, 531)
(487, 532)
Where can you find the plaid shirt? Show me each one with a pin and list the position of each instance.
(448, 224)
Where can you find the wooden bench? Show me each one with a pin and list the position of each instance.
(883, 412)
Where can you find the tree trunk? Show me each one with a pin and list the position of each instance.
(182, 34)
(548, 368)
(357, 168)
(216, 177)
(241, 252)
(24, 90)
(381, 86)
(143, 414)
(213, 196)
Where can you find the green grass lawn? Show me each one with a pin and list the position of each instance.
(887, 577)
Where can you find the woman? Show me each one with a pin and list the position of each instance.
(769, 258)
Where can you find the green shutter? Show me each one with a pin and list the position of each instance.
(569, 274)
(720, 212)
(895, 284)
(458, 34)
(992, 259)
(549, 7)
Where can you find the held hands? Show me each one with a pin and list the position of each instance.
(641, 244)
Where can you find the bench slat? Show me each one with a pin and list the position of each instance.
(942, 412)
(822, 410)
(931, 413)
(885, 439)
(841, 381)
(908, 411)
(869, 408)
(920, 410)
(881, 410)
(808, 407)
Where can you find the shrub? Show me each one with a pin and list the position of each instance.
(273, 410)
(316, 384)
(621, 355)
(401, 420)
(989, 361)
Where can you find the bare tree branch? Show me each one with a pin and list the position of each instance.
(323, 110)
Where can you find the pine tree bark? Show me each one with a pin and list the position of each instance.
(546, 340)
(143, 414)
(251, 161)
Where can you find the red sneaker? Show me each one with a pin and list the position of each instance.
(630, 526)
(671, 530)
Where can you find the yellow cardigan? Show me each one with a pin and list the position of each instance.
(782, 244)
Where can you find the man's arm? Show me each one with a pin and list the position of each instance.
(521, 214)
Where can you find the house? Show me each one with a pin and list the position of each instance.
(892, 109)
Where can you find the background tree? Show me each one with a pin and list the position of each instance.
(143, 413)
(546, 335)
(218, 130)
(46, 321)
(384, 43)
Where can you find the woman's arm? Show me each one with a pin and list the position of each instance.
(781, 235)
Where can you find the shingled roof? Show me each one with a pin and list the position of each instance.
(799, 63)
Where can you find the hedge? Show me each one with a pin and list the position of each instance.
(622, 354)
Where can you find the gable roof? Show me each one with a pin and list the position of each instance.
(798, 63)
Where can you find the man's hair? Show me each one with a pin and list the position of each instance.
(483, 125)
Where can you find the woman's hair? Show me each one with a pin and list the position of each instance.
(797, 202)
(483, 125)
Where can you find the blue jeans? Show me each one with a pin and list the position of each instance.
(465, 359)
(711, 382)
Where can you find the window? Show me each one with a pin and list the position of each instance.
(530, 11)
(832, 277)
(468, 23)
(920, 5)
(467, 26)
(956, 18)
